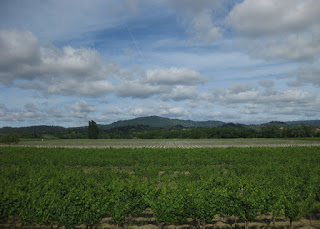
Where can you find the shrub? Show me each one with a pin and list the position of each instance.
(9, 138)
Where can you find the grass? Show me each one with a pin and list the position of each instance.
(30, 139)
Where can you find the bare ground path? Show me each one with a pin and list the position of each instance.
(171, 143)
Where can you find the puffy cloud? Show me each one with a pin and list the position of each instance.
(29, 112)
(79, 63)
(173, 76)
(272, 30)
(297, 47)
(70, 71)
(113, 111)
(76, 87)
(252, 109)
(47, 114)
(238, 88)
(18, 50)
(266, 83)
(267, 101)
(137, 89)
(53, 19)
(275, 97)
(307, 74)
(182, 93)
(174, 112)
(267, 17)
(257, 104)
(81, 109)
(203, 29)
(168, 83)
(201, 18)
(162, 109)
(26, 64)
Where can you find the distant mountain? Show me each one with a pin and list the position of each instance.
(304, 122)
(275, 123)
(32, 129)
(157, 121)
(293, 123)
(151, 121)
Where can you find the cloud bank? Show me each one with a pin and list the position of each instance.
(240, 61)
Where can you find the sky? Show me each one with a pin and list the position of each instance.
(65, 62)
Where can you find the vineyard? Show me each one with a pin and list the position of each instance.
(170, 143)
(234, 187)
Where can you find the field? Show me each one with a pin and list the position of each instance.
(171, 143)
(135, 186)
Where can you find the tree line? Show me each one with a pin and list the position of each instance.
(94, 131)
(223, 132)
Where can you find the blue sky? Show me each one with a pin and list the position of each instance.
(246, 61)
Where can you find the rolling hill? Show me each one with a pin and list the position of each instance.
(151, 121)
(157, 121)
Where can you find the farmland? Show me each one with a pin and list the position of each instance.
(170, 143)
(149, 188)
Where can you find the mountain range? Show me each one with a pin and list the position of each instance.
(157, 121)
(151, 121)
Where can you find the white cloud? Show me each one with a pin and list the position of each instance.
(297, 47)
(18, 46)
(81, 109)
(179, 93)
(70, 71)
(307, 74)
(49, 114)
(59, 19)
(113, 111)
(29, 112)
(252, 109)
(75, 87)
(269, 17)
(266, 83)
(201, 18)
(168, 83)
(266, 101)
(79, 63)
(210, 44)
(18, 49)
(162, 109)
(26, 64)
(238, 88)
(173, 76)
(273, 30)
(202, 28)
(137, 89)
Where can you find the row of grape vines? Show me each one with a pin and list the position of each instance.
(71, 187)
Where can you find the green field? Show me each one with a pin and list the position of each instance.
(148, 188)
(170, 143)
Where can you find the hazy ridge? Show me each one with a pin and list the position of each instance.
(152, 121)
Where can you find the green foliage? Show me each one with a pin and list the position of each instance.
(163, 128)
(9, 138)
(169, 204)
(208, 200)
(93, 130)
(71, 187)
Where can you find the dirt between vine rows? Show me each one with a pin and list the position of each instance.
(165, 143)
(163, 147)
(147, 221)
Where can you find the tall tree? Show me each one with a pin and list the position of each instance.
(93, 130)
(9, 138)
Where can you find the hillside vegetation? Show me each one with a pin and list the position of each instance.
(155, 127)
(109, 188)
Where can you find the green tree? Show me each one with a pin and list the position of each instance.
(9, 138)
(93, 130)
